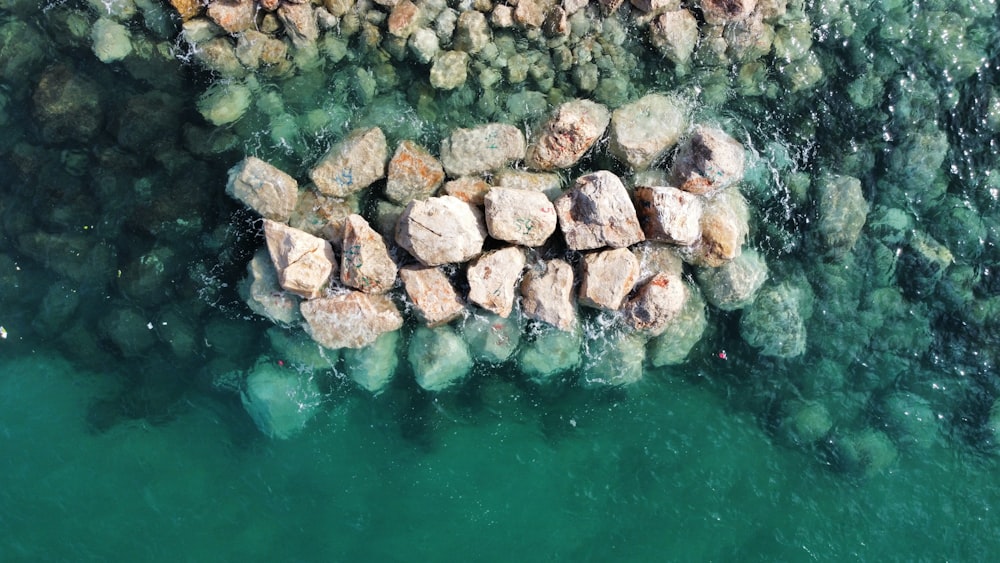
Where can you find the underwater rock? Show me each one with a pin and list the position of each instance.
(441, 230)
(719, 12)
(805, 422)
(233, 16)
(449, 70)
(439, 357)
(491, 338)
(111, 40)
(222, 104)
(922, 264)
(263, 188)
(350, 320)
(749, 39)
(67, 105)
(707, 162)
(675, 34)
(304, 263)
(413, 174)
(280, 400)
(656, 304)
(669, 214)
(613, 360)
(432, 294)
(295, 349)
(130, 331)
(365, 262)
(424, 45)
(656, 257)
(264, 295)
(598, 212)
(481, 149)
(775, 322)
(644, 130)
(734, 284)
(909, 419)
(866, 453)
(842, 211)
(81, 258)
(519, 216)
(608, 277)
(562, 141)
(549, 184)
(551, 353)
(547, 294)
(373, 366)
(470, 189)
(353, 164)
(674, 344)
(725, 224)
(56, 310)
(493, 279)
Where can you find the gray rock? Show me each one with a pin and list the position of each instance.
(669, 214)
(725, 224)
(472, 32)
(674, 344)
(449, 70)
(373, 366)
(265, 189)
(111, 40)
(365, 263)
(656, 304)
(424, 45)
(352, 164)
(441, 230)
(563, 140)
(775, 322)
(439, 358)
(549, 184)
(842, 213)
(304, 263)
(644, 130)
(493, 279)
(280, 400)
(301, 25)
(547, 294)
(432, 294)
(491, 338)
(597, 212)
(264, 295)
(922, 264)
(481, 149)
(608, 277)
(413, 174)
(675, 34)
(519, 216)
(708, 161)
(350, 320)
(67, 105)
(734, 284)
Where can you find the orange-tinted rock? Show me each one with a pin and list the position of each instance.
(432, 294)
(656, 304)
(573, 128)
(304, 263)
(608, 277)
(403, 19)
(470, 189)
(233, 16)
(413, 174)
(187, 9)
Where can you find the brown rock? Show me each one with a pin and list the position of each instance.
(432, 294)
(299, 19)
(188, 9)
(669, 214)
(547, 294)
(470, 189)
(493, 279)
(724, 229)
(675, 34)
(413, 174)
(608, 277)
(365, 263)
(573, 128)
(233, 16)
(265, 189)
(531, 13)
(720, 12)
(403, 19)
(597, 212)
(656, 304)
(519, 216)
(441, 230)
(352, 164)
(304, 263)
(350, 320)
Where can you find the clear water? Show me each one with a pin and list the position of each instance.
(121, 436)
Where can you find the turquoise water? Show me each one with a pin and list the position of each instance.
(121, 426)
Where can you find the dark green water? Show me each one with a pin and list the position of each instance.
(122, 436)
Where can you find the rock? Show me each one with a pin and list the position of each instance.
(865, 453)
(734, 284)
(749, 39)
(470, 189)
(350, 320)
(67, 105)
(424, 45)
(218, 56)
(805, 423)
(775, 322)
(304, 263)
(655, 5)
(493, 279)
(669, 214)
(491, 338)
(441, 230)
(644, 130)
(909, 419)
(708, 161)
(188, 9)
(472, 32)
(111, 40)
(403, 19)
(608, 277)
(724, 228)
(922, 264)
(597, 212)
(657, 257)
(439, 358)
(432, 294)
(263, 188)
(502, 16)
(222, 104)
(373, 366)
(130, 331)
(295, 349)
(352, 164)
(323, 216)
(531, 13)
(365, 263)
(613, 360)
(547, 294)
(675, 34)
(449, 70)
(842, 211)
(551, 353)
(413, 174)
(519, 216)
(233, 16)
(656, 304)
(280, 400)
(481, 149)
(674, 344)
(549, 184)
(573, 128)
(299, 19)
(720, 12)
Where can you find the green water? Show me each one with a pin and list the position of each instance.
(122, 432)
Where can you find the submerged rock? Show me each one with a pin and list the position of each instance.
(922, 264)
(551, 353)
(674, 344)
(725, 224)
(481, 149)
(644, 130)
(720, 12)
(547, 294)
(439, 358)
(280, 400)
(441, 230)
(613, 360)
(304, 263)
(264, 295)
(608, 277)
(263, 188)
(352, 164)
(67, 105)
(734, 284)
(350, 320)
(432, 294)
(805, 423)
(449, 70)
(323, 216)
(842, 212)
(708, 161)
(549, 184)
(491, 338)
(493, 279)
(573, 128)
(112, 41)
(222, 104)
(775, 322)
(598, 212)
(669, 214)
(519, 216)
(373, 366)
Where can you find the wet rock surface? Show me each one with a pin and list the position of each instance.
(571, 131)
(598, 212)
(441, 230)
(350, 320)
(432, 293)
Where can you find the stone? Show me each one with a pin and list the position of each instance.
(734, 284)
(531, 13)
(323, 216)
(643, 131)
(111, 40)
(597, 212)
(403, 19)
(493, 279)
(280, 400)
(551, 353)
(922, 264)
(481, 149)
(724, 228)
(296, 350)
(424, 44)
(218, 56)
(655, 5)
(571, 131)
(304, 263)
(439, 357)
(491, 338)
(129, 330)
(350, 320)
(656, 257)
(502, 16)
(656, 304)
(472, 32)
(264, 295)
(749, 39)
(675, 34)
(679, 337)
(441, 230)
(449, 70)
(432, 294)
(547, 294)
(608, 277)
(365, 263)
(669, 214)
(775, 322)
(352, 164)
(842, 211)
(373, 366)
(67, 105)
(188, 9)
(470, 189)
(222, 104)
(720, 12)
(613, 360)
(299, 20)
(233, 16)
(548, 183)
(263, 188)
(708, 161)
(519, 216)
(413, 174)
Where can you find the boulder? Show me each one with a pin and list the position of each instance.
(323, 216)
(233, 16)
(804, 422)
(775, 322)
(449, 70)
(295, 349)
(519, 216)
(224, 103)
(424, 44)
(613, 359)
(263, 188)
(562, 141)
(264, 295)
(922, 264)
(644, 130)
(111, 40)
(470, 189)
(721, 12)
(403, 19)
(472, 32)
(481, 149)
(597, 212)
(548, 183)
(708, 161)
(439, 357)
(304, 263)
(656, 257)
(725, 223)
(352, 164)
(67, 105)
(909, 419)
(675, 34)
(413, 174)
(350, 320)
(432, 294)
(280, 400)
(491, 338)
(493, 279)
(531, 13)
(656, 304)
(441, 230)
(674, 344)
(669, 214)
(365, 263)
(842, 211)
(734, 284)
(608, 277)
(547, 294)
(373, 366)
(551, 353)
(301, 25)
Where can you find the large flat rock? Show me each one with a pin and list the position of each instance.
(350, 320)
(432, 294)
(547, 294)
(353, 164)
(493, 279)
(481, 149)
(441, 230)
(519, 216)
(263, 188)
(644, 130)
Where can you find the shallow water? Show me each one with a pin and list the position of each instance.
(124, 436)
